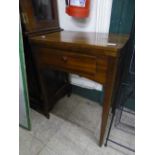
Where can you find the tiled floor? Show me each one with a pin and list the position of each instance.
(73, 129)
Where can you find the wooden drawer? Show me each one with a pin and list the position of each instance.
(64, 60)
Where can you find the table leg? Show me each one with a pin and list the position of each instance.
(109, 86)
(105, 114)
(45, 99)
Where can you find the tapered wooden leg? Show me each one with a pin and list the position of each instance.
(105, 114)
(45, 99)
(69, 90)
(108, 87)
(47, 115)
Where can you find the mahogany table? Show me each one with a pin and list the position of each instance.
(96, 56)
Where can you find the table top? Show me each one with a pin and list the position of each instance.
(110, 42)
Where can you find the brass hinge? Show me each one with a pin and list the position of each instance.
(25, 18)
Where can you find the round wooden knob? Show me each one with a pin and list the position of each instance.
(64, 58)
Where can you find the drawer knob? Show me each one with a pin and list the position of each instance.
(64, 58)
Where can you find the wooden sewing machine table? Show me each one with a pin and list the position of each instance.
(96, 56)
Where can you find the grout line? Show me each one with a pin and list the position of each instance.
(48, 148)
(41, 149)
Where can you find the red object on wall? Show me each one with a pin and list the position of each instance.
(78, 8)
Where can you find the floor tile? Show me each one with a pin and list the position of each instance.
(78, 135)
(48, 128)
(47, 151)
(28, 145)
(87, 114)
(69, 142)
(73, 129)
(120, 149)
(65, 106)
(119, 135)
(93, 149)
(125, 138)
(36, 120)
(111, 151)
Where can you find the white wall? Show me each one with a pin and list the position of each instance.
(70, 23)
(98, 21)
